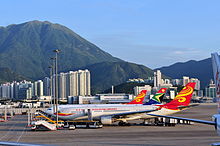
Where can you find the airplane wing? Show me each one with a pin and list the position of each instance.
(119, 115)
(188, 119)
(20, 144)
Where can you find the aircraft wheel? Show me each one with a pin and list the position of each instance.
(123, 124)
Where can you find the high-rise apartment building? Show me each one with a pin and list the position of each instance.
(157, 78)
(197, 81)
(35, 89)
(16, 89)
(84, 82)
(25, 89)
(46, 86)
(185, 80)
(88, 84)
(38, 88)
(62, 84)
(25, 93)
(176, 82)
(5, 90)
(11, 91)
(72, 83)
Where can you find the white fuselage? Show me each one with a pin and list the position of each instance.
(71, 112)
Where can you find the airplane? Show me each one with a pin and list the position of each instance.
(85, 111)
(215, 118)
(137, 100)
(179, 103)
(106, 113)
(109, 113)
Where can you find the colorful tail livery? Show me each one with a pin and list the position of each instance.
(216, 73)
(183, 98)
(156, 99)
(139, 98)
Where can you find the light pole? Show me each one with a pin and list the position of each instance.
(56, 75)
(53, 84)
(51, 90)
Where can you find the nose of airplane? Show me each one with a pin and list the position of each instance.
(49, 111)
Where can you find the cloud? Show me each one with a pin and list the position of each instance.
(179, 52)
(186, 51)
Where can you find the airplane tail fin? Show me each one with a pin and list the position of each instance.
(139, 98)
(216, 73)
(183, 98)
(156, 99)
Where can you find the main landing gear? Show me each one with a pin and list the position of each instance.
(121, 123)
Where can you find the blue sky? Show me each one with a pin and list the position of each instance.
(154, 33)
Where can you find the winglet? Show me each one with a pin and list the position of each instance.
(139, 98)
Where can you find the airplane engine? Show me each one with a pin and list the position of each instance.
(216, 118)
(106, 120)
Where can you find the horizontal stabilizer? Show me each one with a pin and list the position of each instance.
(191, 105)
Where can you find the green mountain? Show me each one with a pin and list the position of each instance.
(195, 69)
(6, 75)
(26, 50)
(106, 74)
